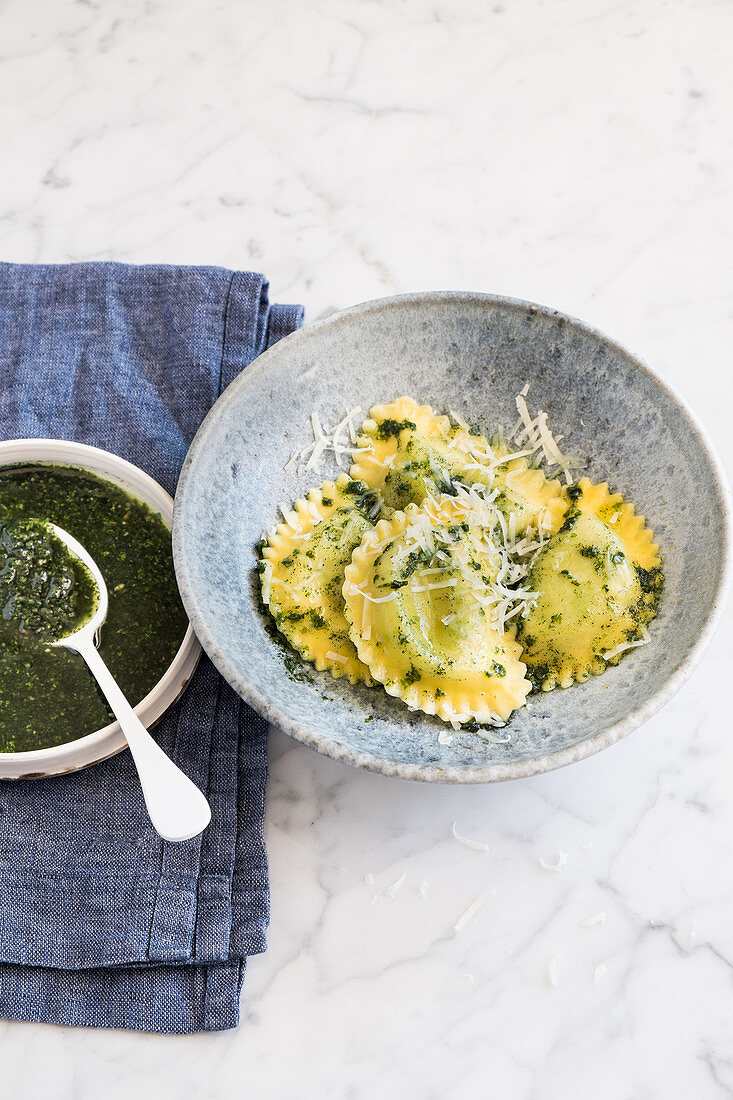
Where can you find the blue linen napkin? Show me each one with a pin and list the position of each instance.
(102, 923)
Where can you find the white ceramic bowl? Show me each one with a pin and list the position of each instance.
(109, 740)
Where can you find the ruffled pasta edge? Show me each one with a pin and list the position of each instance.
(450, 706)
(307, 512)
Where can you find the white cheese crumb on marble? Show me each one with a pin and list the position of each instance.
(599, 973)
(472, 910)
(562, 858)
(467, 842)
(390, 891)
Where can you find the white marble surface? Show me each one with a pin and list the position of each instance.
(575, 153)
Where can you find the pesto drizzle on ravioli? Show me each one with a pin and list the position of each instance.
(302, 569)
(594, 598)
(420, 568)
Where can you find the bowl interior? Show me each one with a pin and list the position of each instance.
(104, 742)
(471, 353)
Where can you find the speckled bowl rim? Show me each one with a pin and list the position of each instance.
(431, 774)
(93, 748)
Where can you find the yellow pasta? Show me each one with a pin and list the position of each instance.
(413, 598)
(598, 582)
(526, 493)
(409, 452)
(483, 578)
(302, 573)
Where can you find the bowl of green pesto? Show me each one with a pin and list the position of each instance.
(53, 717)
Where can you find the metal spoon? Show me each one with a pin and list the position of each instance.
(177, 808)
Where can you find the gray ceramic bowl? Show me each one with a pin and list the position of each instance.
(473, 353)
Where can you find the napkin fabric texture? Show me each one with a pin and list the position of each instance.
(102, 923)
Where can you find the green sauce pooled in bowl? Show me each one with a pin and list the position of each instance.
(47, 694)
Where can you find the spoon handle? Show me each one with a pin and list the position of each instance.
(177, 808)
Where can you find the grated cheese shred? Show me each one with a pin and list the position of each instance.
(471, 912)
(623, 646)
(338, 440)
(474, 845)
(535, 434)
(266, 583)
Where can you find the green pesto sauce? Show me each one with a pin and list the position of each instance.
(45, 591)
(392, 429)
(47, 694)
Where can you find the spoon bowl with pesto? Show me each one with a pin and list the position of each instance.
(53, 716)
(177, 808)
